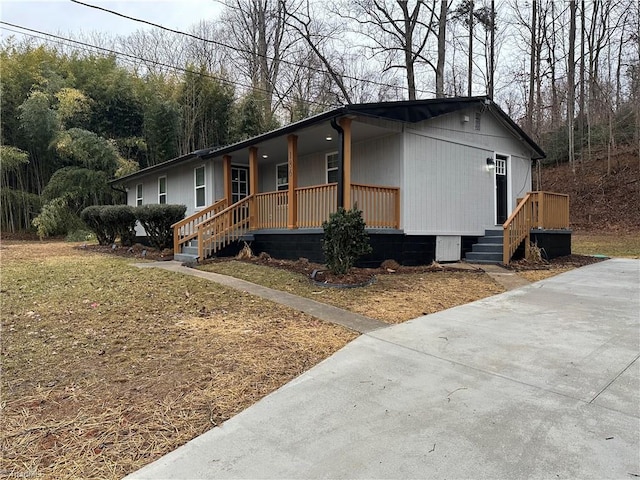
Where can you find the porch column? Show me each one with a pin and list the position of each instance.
(345, 123)
(253, 182)
(292, 221)
(226, 176)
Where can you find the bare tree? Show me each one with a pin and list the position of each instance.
(398, 32)
(470, 70)
(442, 39)
(317, 35)
(571, 73)
(532, 64)
(258, 32)
(213, 56)
(492, 56)
(156, 51)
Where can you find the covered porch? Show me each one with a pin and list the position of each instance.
(291, 206)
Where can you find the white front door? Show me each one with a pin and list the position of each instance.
(239, 183)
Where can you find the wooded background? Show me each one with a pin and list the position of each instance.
(78, 110)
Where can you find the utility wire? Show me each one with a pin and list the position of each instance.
(131, 58)
(243, 50)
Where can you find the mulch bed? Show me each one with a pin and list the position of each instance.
(137, 251)
(566, 261)
(356, 276)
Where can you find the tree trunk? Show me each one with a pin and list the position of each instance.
(492, 54)
(470, 72)
(442, 38)
(571, 72)
(582, 113)
(532, 65)
(555, 107)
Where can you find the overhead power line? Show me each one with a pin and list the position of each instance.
(243, 50)
(129, 57)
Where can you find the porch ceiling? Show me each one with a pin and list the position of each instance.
(310, 140)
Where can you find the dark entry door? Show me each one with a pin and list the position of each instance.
(501, 189)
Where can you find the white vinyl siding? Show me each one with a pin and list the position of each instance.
(162, 190)
(452, 197)
(200, 187)
(377, 161)
(446, 189)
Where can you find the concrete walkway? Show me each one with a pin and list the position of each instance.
(539, 382)
(322, 311)
(509, 279)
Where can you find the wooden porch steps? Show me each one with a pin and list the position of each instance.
(189, 251)
(488, 249)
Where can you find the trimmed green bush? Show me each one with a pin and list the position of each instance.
(157, 221)
(105, 232)
(122, 219)
(110, 221)
(345, 240)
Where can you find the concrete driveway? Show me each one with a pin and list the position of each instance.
(539, 382)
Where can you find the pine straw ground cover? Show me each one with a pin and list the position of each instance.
(394, 297)
(107, 367)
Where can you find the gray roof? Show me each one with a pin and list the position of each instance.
(408, 111)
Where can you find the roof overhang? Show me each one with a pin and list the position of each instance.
(316, 128)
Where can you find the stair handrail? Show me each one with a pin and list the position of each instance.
(221, 229)
(518, 228)
(189, 224)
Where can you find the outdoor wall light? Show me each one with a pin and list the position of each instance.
(265, 156)
(328, 138)
(491, 164)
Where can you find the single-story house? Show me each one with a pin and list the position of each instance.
(436, 179)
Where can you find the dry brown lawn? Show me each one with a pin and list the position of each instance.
(611, 244)
(107, 367)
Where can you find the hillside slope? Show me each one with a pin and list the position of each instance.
(600, 202)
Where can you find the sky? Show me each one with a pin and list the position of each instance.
(63, 16)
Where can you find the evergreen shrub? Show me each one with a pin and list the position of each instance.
(157, 221)
(345, 240)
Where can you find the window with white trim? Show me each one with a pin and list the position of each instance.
(332, 167)
(138, 194)
(162, 190)
(282, 177)
(200, 187)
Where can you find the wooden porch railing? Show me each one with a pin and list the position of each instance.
(220, 224)
(272, 210)
(380, 205)
(228, 225)
(550, 210)
(535, 210)
(186, 230)
(315, 204)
